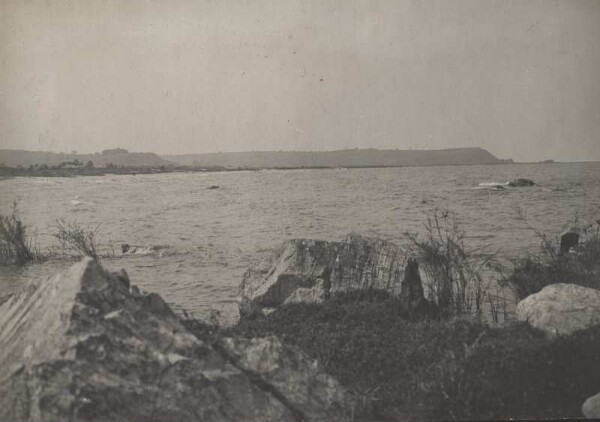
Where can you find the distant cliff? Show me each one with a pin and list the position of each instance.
(343, 158)
(116, 157)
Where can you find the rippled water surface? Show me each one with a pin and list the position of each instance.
(196, 242)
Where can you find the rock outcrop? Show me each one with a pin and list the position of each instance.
(591, 407)
(310, 270)
(84, 345)
(561, 309)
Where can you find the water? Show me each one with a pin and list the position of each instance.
(198, 242)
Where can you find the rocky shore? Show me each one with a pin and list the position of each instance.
(329, 331)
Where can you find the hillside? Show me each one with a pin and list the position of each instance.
(117, 157)
(343, 158)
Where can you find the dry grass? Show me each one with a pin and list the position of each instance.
(77, 240)
(16, 245)
(453, 272)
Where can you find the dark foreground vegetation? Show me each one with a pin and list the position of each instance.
(433, 369)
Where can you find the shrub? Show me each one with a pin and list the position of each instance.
(16, 246)
(76, 239)
(453, 273)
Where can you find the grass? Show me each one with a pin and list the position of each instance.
(433, 369)
(453, 272)
(16, 245)
(76, 239)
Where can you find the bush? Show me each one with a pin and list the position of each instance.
(16, 246)
(433, 369)
(76, 239)
(453, 273)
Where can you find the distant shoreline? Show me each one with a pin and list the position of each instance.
(9, 172)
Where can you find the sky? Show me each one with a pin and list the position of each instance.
(518, 78)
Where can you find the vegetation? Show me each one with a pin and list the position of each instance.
(433, 369)
(76, 239)
(453, 273)
(582, 266)
(16, 245)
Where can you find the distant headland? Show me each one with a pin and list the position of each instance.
(370, 157)
(120, 161)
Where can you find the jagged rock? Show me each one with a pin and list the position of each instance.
(85, 346)
(591, 407)
(310, 270)
(313, 394)
(561, 309)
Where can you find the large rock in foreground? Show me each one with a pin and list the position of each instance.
(310, 270)
(85, 346)
(591, 407)
(561, 309)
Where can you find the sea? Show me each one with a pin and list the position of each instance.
(192, 244)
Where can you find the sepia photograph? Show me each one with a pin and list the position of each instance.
(299, 210)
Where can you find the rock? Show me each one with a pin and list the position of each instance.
(84, 346)
(412, 296)
(568, 239)
(561, 309)
(521, 182)
(213, 187)
(294, 375)
(591, 407)
(310, 270)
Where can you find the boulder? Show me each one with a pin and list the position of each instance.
(591, 407)
(561, 309)
(304, 270)
(84, 345)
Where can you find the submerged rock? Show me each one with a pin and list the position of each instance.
(310, 270)
(84, 345)
(521, 182)
(561, 309)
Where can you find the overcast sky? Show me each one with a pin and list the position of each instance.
(519, 78)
